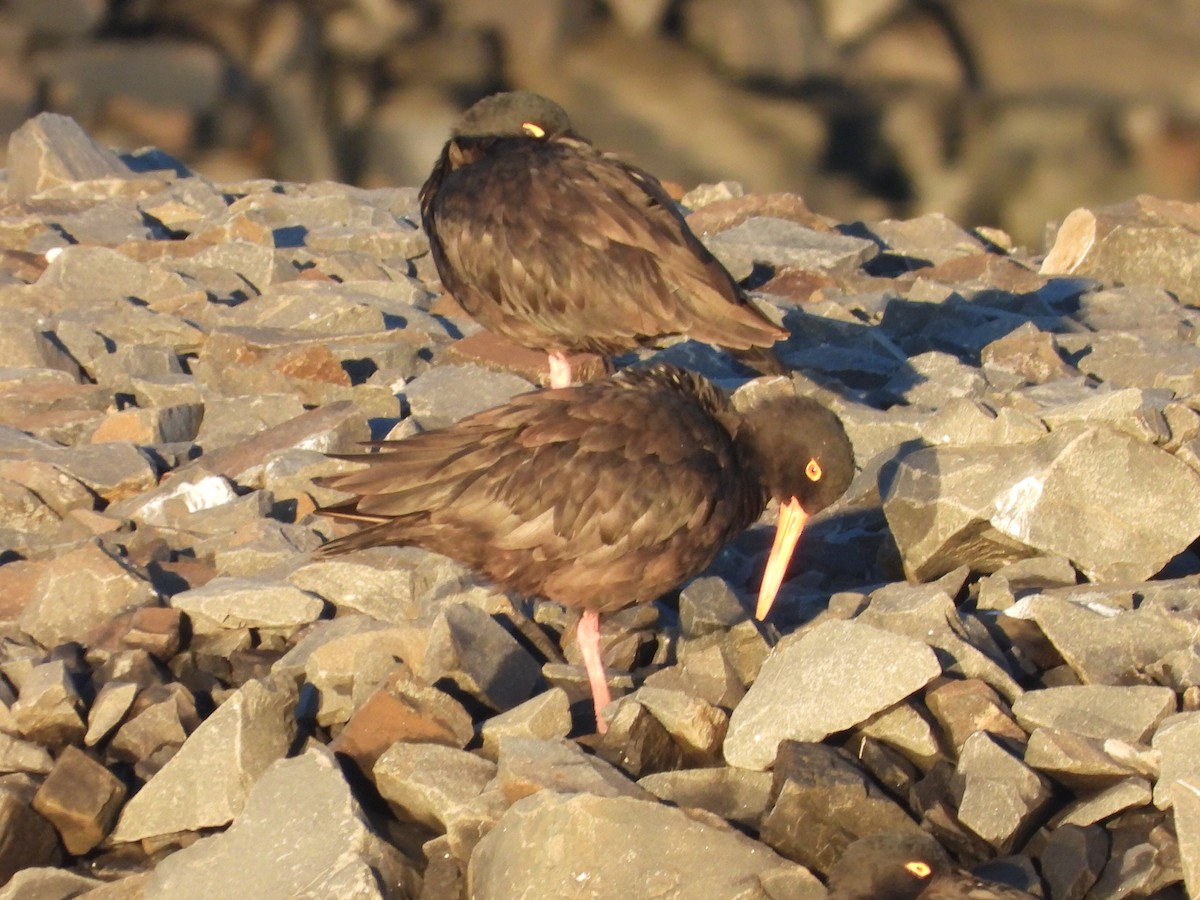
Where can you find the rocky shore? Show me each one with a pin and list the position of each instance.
(992, 637)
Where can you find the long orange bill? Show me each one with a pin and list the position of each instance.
(791, 522)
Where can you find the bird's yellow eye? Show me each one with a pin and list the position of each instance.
(533, 129)
(919, 869)
(813, 470)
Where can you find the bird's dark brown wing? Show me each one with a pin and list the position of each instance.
(562, 248)
(600, 495)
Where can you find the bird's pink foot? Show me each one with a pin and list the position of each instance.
(588, 636)
(560, 370)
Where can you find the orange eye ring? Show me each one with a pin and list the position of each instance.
(813, 470)
(533, 129)
(919, 869)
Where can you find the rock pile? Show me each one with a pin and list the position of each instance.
(192, 706)
(1006, 114)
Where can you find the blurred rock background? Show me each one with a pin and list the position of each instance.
(995, 112)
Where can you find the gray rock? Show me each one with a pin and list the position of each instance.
(51, 150)
(931, 237)
(927, 613)
(778, 242)
(1139, 412)
(26, 839)
(81, 798)
(1176, 742)
(48, 708)
(1072, 860)
(963, 707)
(696, 726)
(379, 584)
(736, 795)
(1185, 797)
(446, 394)
(905, 729)
(1028, 352)
(826, 680)
(207, 783)
(227, 602)
(1084, 763)
(823, 801)
(528, 765)
(431, 784)
(933, 378)
(1128, 794)
(1098, 711)
(43, 883)
(999, 798)
(473, 650)
(108, 709)
(545, 716)
(17, 755)
(301, 832)
(1102, 644)
(985, 507)
(615, 843)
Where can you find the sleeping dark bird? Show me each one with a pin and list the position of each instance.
(908, 867)
(544, 239)
(601, 495)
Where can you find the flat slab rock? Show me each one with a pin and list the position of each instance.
(829, 679)
(554, 845)
(984, 507)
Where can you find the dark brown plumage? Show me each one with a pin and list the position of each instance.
(601, 495)
(908, 867)
(546, 240)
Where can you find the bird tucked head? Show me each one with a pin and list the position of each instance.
(516, 113)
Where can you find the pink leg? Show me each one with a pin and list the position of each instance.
(560, 370)
(588, 636)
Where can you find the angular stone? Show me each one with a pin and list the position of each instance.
(1099, 711)
(903, 728)
(475, 652)
(206, 784)
(1032, 354)
(823, 801)
(81, 799)
(1103, 645)
(158, 723)
(1185, 800)
(42, 882)
(430, 783)
(528, 765)
(108, 581)
(378, 584)
(446, 394)
(403, 710)
(934, 378)
(832, 678)
(1072, 860)
(1094, 808)
(23, 756)
(545, 717)
(967, 706)
(999, 797)
(247, 603)
(1138, 242)
(48, 708)
(1176, 740)
(1138, 411)
(51, 150)
(696, 726)
(147, 427)
(615, 844)
(301, 833)
(736, 795)
(108, 709)
(778, 242)
(985, 507)
(26, 839)
(113, 471)
(1075, 761)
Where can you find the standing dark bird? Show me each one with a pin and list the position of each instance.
(601, 495)
(908, 867)
(544, 239)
